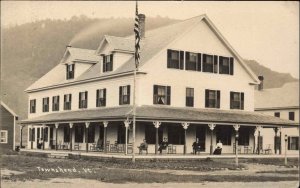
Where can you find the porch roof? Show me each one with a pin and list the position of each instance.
(163, 113)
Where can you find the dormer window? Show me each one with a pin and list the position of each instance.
(107, 63)
(70, 71)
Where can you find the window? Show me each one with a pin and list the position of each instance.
(175, 135)
(189, 101)
(162, 95)
(101, 97)
(244, 136)
(107, 63)
(91, 134)
(192, 61)
(67, 101)
(210, 63)
(124, 95)
(55, 103)
(83, 98)
(293, 143)
(175, 59)
(224, 133)
(237, 100)
(226, 65)
(46, 104)
(31, 134)
(3, 136)
(66, 134)
(150, 134)
(79, 131)
(121, 134)
(32, 105)
(292, 116)
(212, 98)
(277, 114)
(70, 71)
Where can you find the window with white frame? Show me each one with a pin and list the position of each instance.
(100, 97)
(83, 98)
(55, 103)
(3, 136)
(70, 71)
(124, 95)
(107, 63)
(212, 98)
(32, 105)
(67, 101)
(46, 104)
(293, 143)
(237, 100)
(162, 95)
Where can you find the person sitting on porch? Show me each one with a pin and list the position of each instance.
(143, 146)
(99, 145)
(218, 149)
(196, 146)
(164, 144)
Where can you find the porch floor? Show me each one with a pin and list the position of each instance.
(158, 156)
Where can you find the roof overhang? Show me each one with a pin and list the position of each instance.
(164, 114)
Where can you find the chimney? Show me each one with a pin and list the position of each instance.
(261, 84)
(142, 18)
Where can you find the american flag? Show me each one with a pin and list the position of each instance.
(137, 38)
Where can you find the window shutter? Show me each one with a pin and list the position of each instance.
(155, 91)
(242, 101)
(79, 105)
(289, 143)
(120, 95)
(168, 95)
(218, 99)
(206, 98)
(86, 99)
(70, 101)
(181, 61)
(215, 64)
(111, 61)
(169, 52)
(103, 63)
(187, 59)
(97, 97)
(53, 103)
(67, 71)
(199, 62)
(128, 93)
(231, 100)
(104, 96)
(231, 66)
(204, 61)
(220, 65)
(57, 102)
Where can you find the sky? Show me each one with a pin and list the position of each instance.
(267, 32)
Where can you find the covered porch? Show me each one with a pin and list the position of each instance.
(109, 130)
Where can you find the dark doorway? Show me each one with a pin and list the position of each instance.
(201, 135)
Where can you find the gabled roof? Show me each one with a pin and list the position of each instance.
(162, 113)
(82, 55)
(286, 96)
(8, 109)
(117, 44)
(154, 42)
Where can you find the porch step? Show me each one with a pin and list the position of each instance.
(59, 155)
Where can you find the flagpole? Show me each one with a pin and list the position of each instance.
(136, 29)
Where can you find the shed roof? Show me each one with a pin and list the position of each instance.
(162, 113)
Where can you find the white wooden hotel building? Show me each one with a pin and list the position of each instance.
(190, 84)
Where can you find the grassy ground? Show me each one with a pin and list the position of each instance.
(118, 171)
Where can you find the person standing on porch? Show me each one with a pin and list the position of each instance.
(196, 146)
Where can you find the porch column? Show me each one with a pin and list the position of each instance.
(280, 134)
(254, 140)
(275, 140)
(56, 131)
(156, 125)
(126, 123)
(185, 125)
(21, 135)
(87, 124)
(105, 124)
(211, 127)
(236, 128)
(71, 128)
(258, 128)
(43, 135)
(32, 136)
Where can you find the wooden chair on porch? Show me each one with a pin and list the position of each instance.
(268, 150)
(76, 146)
(239, 149)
